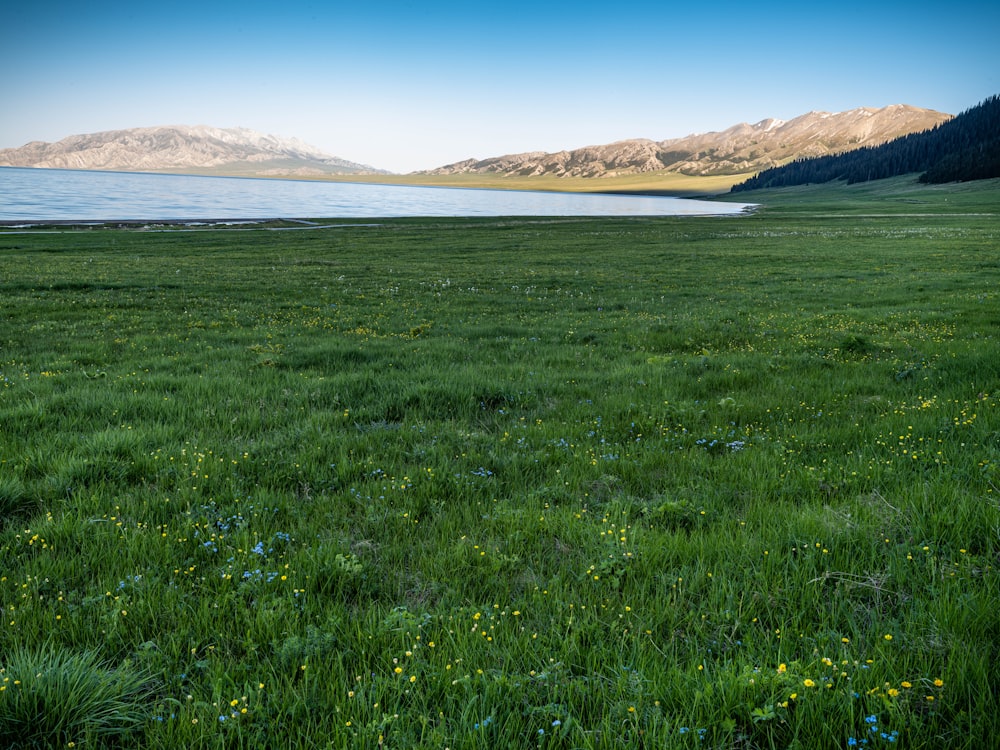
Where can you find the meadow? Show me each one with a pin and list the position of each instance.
(655, 183)
(565, 483)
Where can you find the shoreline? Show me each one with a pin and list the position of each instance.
(653, 184)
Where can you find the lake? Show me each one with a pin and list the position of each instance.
(32, 195)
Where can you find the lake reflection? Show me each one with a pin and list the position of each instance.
(70, 195)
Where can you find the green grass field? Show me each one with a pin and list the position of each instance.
(563, 483)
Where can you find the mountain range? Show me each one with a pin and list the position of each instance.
(965, 148)
(182, 148)
(740, 150)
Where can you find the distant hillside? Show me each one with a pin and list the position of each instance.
(966, 147)
(741, 149)
(182, 148)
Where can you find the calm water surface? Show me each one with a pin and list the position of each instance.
(71, 195)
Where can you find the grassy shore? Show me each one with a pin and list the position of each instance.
(649, 183)
(479, 483)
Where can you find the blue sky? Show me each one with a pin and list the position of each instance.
(416, 85)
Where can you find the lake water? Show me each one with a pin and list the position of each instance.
(32, 195)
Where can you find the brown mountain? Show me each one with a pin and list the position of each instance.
(740, 149)
(182, 148)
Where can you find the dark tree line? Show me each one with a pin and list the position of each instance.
(967, 147)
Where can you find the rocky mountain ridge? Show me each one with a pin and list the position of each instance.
(740, 149)
(184, 148)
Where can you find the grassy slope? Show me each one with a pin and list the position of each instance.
(897, 195)
(682, 482)
(900, 196)
(665, 183)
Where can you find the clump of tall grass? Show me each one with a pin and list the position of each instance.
(55, 697)
(14, 499)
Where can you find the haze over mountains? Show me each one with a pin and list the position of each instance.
(188, 149)
(739, 150)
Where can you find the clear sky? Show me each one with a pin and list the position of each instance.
(415, 85)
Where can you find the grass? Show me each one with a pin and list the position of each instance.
(903, 197)
(660, 183)
(600, 483)
(56, 697)
(655, 183)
